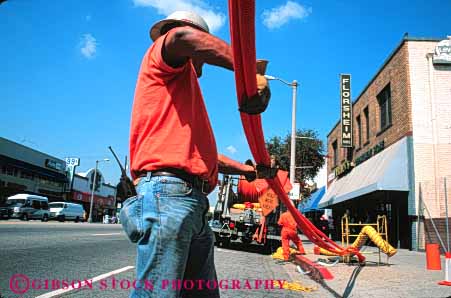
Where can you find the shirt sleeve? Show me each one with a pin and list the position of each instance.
(156, 59)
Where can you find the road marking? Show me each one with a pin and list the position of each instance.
(227, 250)
(109, 234)
(82, 284)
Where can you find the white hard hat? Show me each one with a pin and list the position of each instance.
(185, 17)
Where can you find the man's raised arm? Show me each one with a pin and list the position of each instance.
(186, 42)
(232, 167)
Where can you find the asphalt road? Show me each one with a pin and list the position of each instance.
(38, 255)
(54, 250)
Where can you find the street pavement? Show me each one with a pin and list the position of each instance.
(403, 275)
(81, 251)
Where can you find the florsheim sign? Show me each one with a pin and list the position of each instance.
(346, 110)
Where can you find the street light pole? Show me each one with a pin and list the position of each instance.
(93, 188)
(294, 86)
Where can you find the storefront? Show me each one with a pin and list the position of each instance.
(401, 146)
(25, 170)
(104, 198)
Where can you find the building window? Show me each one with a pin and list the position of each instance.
(359, 131)
(26, 175)
(367, 124)
(9, 170)
(335, 151)
(349, 154)
(384, 99)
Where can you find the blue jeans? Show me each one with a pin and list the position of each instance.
(175, 243)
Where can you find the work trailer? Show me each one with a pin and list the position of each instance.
(237, 218)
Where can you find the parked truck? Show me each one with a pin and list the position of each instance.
(240, 218)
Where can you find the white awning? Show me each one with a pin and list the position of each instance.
(387, 170)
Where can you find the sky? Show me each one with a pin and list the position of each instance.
(68, 68)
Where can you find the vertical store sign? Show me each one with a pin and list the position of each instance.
(71, 164)
(346, 110)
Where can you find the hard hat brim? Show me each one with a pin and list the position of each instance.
(155, 31)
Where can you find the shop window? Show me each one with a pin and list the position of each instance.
(359, 131)
(10, 171)
(384, 100)
(367, 124)
(349, 154)
(26, 175)
(335, 151)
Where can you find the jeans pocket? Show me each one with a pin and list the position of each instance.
(132, 219)
(175, 187)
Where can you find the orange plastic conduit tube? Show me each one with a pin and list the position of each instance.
(242, 31)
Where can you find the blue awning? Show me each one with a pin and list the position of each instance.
(311, 204)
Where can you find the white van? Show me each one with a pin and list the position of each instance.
(64, 210)
(26, 206)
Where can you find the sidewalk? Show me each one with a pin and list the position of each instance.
(405, 275)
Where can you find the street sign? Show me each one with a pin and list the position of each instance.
(72, 161)
(294, 194)
(71, 164)
(268, 201)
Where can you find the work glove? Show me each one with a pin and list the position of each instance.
(250, 176)
(265, 171)
(253, 175)
(257, 103)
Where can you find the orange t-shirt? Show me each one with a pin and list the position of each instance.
(251, 191)
(286, 220)
(170, 126)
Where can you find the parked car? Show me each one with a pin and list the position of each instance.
(66, 211)
(6, 210)
(26, 206)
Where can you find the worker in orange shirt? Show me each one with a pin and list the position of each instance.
(289, 232)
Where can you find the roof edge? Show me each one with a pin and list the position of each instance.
(386, 61)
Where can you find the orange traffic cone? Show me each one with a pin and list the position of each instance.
(447, 281)
(433, 257)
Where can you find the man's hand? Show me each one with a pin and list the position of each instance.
(262, 84)
(266, 172)
(257, 103)
(261, 66)
(251, 176)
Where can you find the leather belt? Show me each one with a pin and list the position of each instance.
(193, 180)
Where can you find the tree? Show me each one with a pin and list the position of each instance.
(309, 154)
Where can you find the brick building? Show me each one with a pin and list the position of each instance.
(401, 146)
(104, 198)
